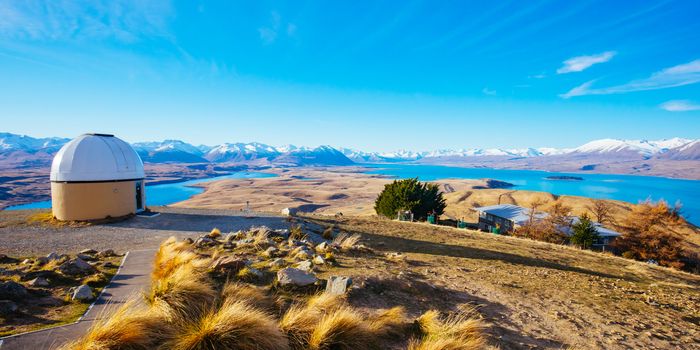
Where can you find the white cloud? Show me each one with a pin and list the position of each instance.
(580, 63)
(62, 20)
(680, 75)
(680, 106)
(487, 91)
(270, 33)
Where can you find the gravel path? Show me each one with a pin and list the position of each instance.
(132, 278)
(133, 234)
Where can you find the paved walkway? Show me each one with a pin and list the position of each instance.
(131, 279)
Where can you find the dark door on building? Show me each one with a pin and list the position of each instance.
(139, 196)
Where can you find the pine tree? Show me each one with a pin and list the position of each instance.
(584, 233)
(410, 194)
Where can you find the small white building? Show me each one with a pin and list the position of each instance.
(96, 176)
(508, 217)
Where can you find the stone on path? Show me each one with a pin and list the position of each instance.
(12, 290)
(75, 266)
(83, 293)
(295, 277)
(7, 307)
(39, 282)
(338, 285)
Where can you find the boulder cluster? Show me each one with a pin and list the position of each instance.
(51, 279)
(290, 258)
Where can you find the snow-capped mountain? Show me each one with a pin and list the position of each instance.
(19, 149)
(13, 142)
(322, 155)
(234, 152)
(168, 145)
(643, 147)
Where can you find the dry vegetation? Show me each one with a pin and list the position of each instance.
(28, 305)
(198, 299)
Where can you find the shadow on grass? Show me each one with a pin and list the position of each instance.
(406, 245)
(419, 296)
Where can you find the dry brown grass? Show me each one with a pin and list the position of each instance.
(235, 326)
(255, 296)
(188, 291)
(325, 321)
(215, 233)
(457, 332)
(131, 327)
(346, 241)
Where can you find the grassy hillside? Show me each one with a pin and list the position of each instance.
(532, 294)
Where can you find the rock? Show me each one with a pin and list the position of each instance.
(319, 260)
(39, 282)
(289, 211)
(42, 260)
(76, 266)
(53, 256)
(277, 263)
(83, 293)
(396, 256)
(7, 307)
(88, 251)
(85, 257)
(27, 262)
(12, 290)
(229, 246)
(255, 272)
(106, 253)
(295, 277)
(303, 255)
(323, 247)
(338, 285)
(203, 242)
(228, 264)
(188, 240)
(306, 265)
(270, 252)
(315, 238)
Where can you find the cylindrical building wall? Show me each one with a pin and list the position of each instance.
(93, 200)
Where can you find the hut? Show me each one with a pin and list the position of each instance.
(96, 176)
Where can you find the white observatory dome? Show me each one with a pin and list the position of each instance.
(96, 157)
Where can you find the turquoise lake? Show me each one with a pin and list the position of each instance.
(627, 188)
(166, 193)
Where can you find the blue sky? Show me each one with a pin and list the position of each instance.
(364, 74)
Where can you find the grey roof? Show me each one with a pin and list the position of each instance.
(514, 213)
(520, 216)
(602, 231)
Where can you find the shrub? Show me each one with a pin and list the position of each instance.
(584, 233)
(215, 233)
(188, 291)
(130, 327)
(410, 194)
(646, 235)
(326, 322)
(458, 332)
(236, 325)
(256, 297)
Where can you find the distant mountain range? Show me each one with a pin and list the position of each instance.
(22, 150)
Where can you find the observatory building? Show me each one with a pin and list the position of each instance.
(96, 176)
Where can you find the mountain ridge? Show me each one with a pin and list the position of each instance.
(180, 151)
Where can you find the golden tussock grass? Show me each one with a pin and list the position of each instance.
(131, 327)
(326, 321)
(457, 332)
(346, 241)
(235, 326)
(215, 233)
(188, 291)
(170, 255)
(254, 296)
